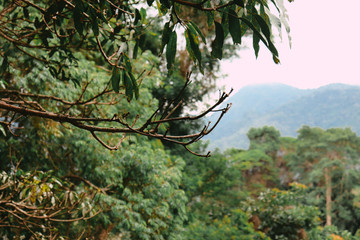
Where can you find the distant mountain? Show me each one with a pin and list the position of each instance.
(287, 109)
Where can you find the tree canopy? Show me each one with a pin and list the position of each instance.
(115, 71)
(50, 38)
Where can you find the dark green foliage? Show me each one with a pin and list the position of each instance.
(84, 61)
(217, 44)
(282, 214)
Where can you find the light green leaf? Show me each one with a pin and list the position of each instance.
(2, 130)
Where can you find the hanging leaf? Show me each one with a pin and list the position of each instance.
(256, 46)
(115, 78)
(149, 2)
(273, 49)
(128, 86)
(263, 26)
(137, 16)
(255, 31)
(136, 48)
(95, 27)
(165, 3)
(171, 50)
(188, 46)
(210, 18)
(127, 63)
(217, 44)
(94, 21)
(234, 27)
(239, 3)
(2, 130)
(143, 15)
(194, 43)
(165, 36)
(135, 86)
(77, 20)
(4, 65)
(276, 59)
(195, 28)
(225, 23)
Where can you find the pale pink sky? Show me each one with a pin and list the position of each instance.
(325, 49)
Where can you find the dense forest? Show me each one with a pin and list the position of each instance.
(96, 142)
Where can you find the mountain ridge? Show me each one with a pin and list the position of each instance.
(287, 109)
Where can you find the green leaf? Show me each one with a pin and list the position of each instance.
(137, 16)
(4, 65)
(150, 2)
(188, 46)
(2, 130)
(143, 15)
(94, 21)
(136, 48)
(239, 3)
(135, 86)
(217, 44)
(95, 27)
(276, 59)
(234, 27)
(77, 20)
(210, 18)
(256, 46)
(255, 31)
(225, 23)
(128, 86)
(273, 49)
(115, 78)
(127, 63)
(26, 12)
(263, 25)
(166, 3)
(195, 27)
(165, 36)
(171, 50)
(194, 43)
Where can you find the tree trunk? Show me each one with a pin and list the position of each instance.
(328, 196)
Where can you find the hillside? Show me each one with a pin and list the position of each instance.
(286, 108)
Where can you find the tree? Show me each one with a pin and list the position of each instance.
(266, 138)
(327, 160)
(50, 35)
(283, 214)
(92, 65)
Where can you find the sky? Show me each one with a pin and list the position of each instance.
(325, 49)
